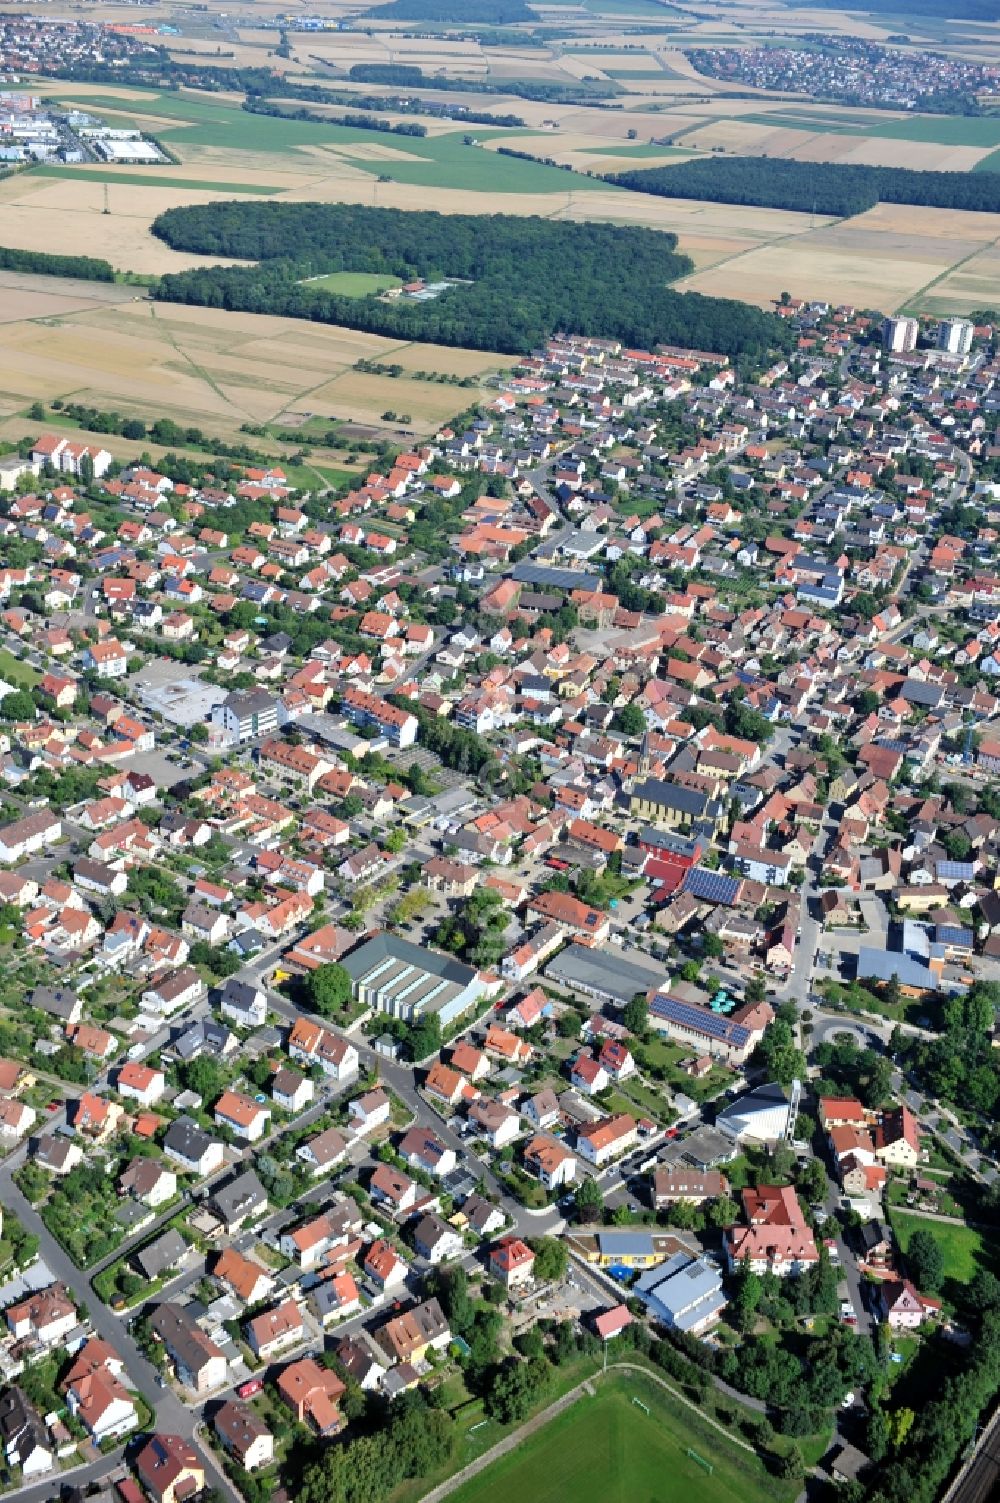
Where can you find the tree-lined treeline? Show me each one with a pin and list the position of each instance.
(521, 279)
(354, 121)
(826, 187)
(409, 76)
(53, 265)
(270, 85)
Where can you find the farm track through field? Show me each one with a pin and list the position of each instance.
(198, 370)
(914, 301)
(753, 250)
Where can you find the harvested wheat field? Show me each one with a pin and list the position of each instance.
(972, 285)
(846, 263)
(36, 218)
(196, 364)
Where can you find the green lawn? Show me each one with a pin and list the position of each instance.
(16, 672)
(307, 477)
(962, 1246)
(659, 1058)
(353, 283)
(605, 1449)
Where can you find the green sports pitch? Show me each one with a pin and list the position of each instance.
(630, 1442)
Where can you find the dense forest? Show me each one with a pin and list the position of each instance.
(823, 187)
(462, 12)
(89, 268)
(520, 278)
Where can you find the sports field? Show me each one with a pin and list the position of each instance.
(353, 283)
(606, 1449)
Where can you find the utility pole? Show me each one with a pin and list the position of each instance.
(107, 199)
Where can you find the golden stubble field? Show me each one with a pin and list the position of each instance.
(200, 365)
(892, 257)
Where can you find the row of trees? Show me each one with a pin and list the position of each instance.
(826, 187)
(49, 264)
(406, 75)
(160, 431)
(257, 106)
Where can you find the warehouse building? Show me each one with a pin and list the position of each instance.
(407, 981)
(604, 974)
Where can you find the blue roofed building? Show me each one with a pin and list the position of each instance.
(684, 1293)
(828, 592)
(956, 941)
(914, 975)
(883, 965)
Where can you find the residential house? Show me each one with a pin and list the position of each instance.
(170, 1468)
(512, 1263)
(244, 1435)
(198, 1362)
(407, 1337)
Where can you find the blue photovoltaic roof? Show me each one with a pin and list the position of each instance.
(688, 1015)
(713, 887)
(956, 869)
(951, 934)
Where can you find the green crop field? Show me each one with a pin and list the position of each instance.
(353, 283)
(640, 149)
(644, 8)
(443, 161)
(962, 1246)
(606, 1449)
(100, 174)
(941, 130)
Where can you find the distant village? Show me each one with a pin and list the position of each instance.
(857, 71)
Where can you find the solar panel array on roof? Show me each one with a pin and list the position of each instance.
(712, 887)
(951, 934)
(527, 572)
(957, 871)
(699, 1019)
